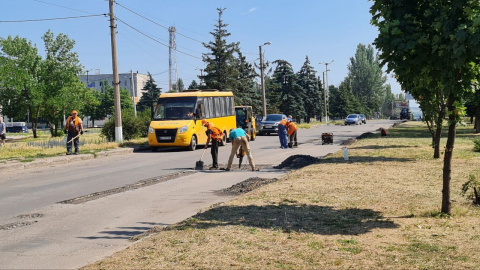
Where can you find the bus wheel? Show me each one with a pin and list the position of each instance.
(193, 144)
(224, 139)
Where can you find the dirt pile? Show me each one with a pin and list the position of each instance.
(297, 162)
(247, 186)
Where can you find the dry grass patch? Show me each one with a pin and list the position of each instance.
(380, 209)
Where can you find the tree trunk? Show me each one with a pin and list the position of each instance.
(477, 119)
(447, 160)
(436, 142)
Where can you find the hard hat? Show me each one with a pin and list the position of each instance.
(204, 121)
(74, 111)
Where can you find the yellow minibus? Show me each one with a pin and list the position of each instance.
(177, 118)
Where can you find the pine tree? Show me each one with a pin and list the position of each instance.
(193, 85)
(246, 92)
(310, 93)
(221, 69)
(290, 93)
(150, 95)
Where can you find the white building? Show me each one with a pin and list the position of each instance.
(139, 80)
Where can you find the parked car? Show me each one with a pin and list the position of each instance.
(405, 114)
(353, 119)
(17, 129)
(270, 124)
(364, 119)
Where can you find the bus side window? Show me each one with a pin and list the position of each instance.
(199, 111)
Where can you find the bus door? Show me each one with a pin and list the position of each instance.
(199, 128)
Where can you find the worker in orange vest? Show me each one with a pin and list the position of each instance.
(282, 133)
(74, 128)
(215, 135)
(292, 133)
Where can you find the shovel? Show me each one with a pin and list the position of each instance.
(199, 164)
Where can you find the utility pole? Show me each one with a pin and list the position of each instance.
(133, 93)
(116, 86)
(172, 60)
(262, 80)
(325, 88)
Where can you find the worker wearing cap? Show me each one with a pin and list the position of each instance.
(282, 133)
(238, 137)
(215, 135)
(74, 128)
(292, 133)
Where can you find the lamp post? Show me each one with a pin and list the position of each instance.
(87, 75)
(264, 101)
(201, 75)
(325, 87)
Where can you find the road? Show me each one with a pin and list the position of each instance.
(39, 232)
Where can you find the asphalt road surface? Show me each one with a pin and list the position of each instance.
(38, 231)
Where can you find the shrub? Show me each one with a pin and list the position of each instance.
(132, 127)
(476, 144)
(471, 189)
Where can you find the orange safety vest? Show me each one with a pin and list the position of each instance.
(73, 124)
(283, 122)
(291, 127)
(217, 133)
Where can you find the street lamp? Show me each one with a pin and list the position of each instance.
(264, 101)
(201, 75)
(325, 87)
(87, 75)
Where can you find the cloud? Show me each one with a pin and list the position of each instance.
(252, 10)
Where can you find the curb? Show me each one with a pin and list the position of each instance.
(64, 159)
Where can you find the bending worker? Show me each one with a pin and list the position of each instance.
(282, 133)
(292, 133)
(238, 137)
(214, 135)
(74, 128)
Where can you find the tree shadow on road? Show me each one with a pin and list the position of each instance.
(322, 220)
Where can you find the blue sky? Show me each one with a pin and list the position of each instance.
(323, 30)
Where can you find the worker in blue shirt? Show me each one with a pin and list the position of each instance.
(238, 137)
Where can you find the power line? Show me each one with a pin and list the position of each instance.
(54, 19)
(154, 38)
(155, 22)
(47, 3)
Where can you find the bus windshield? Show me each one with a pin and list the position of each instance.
(174, 108)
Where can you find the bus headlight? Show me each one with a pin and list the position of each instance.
(183, 129)
(151, 130)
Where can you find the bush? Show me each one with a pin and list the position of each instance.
(471, 189)
(132, 127)
(476, 144)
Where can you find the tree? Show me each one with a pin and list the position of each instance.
(341, 101)
(310, 93)
(367, 79)
(193, 85)
(62, 88)
(93, 108)
(247, 91)
(432, 40)
(290, 93)
(180, 85)
(20, 79)
(151, 93)
(221, 69)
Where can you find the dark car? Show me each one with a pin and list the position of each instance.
(353, 119)
(17, 129)
(405, 114)
(270, 124)
(363, 118)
